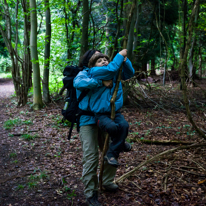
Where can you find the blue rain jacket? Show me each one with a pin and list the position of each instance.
(98, 99)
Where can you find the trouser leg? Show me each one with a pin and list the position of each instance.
(109, 171)
(117, 129)
(118, 140)
(89, 140)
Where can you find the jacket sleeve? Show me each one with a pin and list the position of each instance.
(127, 71)
(83, 81)
(107, 72)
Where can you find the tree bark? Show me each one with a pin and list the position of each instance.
(191, 62)
(136, 28)
(153, 67)
(111, 31)
(200, 62)
(84, 40)
(119, 22)
(131, 36)
(37, 98)
(46, 96)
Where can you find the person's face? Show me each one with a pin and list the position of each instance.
(101, 62)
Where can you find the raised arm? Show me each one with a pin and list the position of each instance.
(127, 71)
(107, 72)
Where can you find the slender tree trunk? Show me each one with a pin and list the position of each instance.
(131, 36)
(191, 62)
(46, 96)
(153, 67)
(119, 22)
(135, 55)
(200, 62)
(136, 26)
(37, 98)
(27, 65)
(84, 40)
(111, 30)
(182, 66)
(183, 35)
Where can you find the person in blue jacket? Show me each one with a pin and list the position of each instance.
(89, 137)
(89, 129)
(99, 102)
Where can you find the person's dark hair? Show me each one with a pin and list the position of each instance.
(84, 60)
(95, 57)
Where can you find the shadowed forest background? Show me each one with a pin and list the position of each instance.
(165, 103)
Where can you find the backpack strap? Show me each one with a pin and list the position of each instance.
(82, 95)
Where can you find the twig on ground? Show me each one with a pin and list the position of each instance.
(128, 174)
(127, 191)
(137, 185)
(199, 165)
(193, 173)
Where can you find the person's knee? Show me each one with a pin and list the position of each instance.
(124, 126)
(112, 129)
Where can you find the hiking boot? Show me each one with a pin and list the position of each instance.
(127, 147)
(111, 161)
(112, 187)
(93, 201)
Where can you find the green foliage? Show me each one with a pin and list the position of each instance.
(11, 123)
(41, 176)
(32, 185)
(29, 137)
(12, 155)
(20, 187)
(28, 122)
(71, 195)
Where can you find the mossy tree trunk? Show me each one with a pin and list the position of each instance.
(84, 39)
(46, 96)
(37, 98)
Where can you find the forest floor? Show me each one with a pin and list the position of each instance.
(39, 166)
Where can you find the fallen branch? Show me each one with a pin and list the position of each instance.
(128, 174)
(165, 142)
(193, 173)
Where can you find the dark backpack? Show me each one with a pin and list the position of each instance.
(71, 111)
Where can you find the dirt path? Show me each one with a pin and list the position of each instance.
(6, 88)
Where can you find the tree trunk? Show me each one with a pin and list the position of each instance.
(37, 98)
(119, 23)
(182, 36)
(182, 66)
(200, 62)
(27, 65)
(131, 36)
(112, 28)
(183, 33)
(46, 96)
(153, 67)
(191, 63)
(84, 40)
(136, 26)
